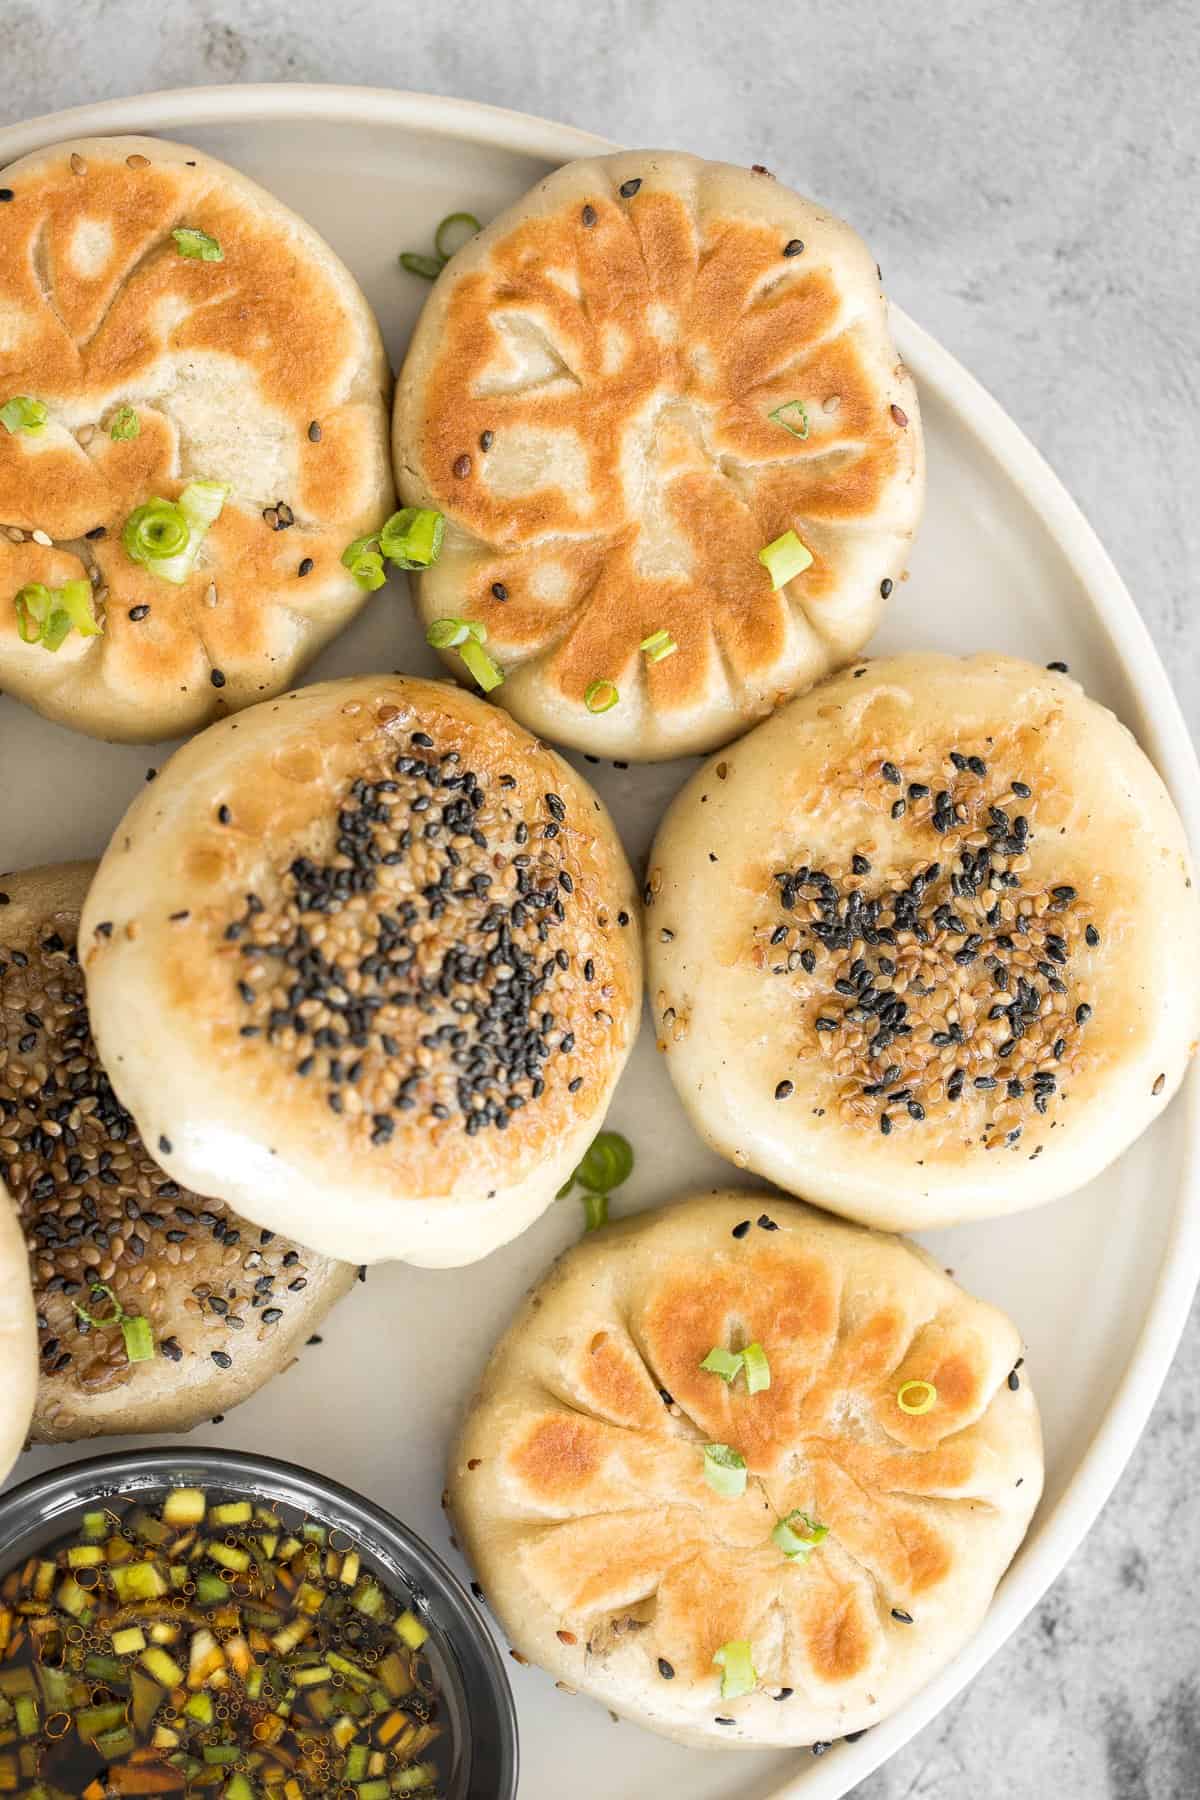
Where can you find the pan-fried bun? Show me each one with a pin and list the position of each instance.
(588, 399)
(263, 370)
(228, 1305)
(915, 942)
(893, 1424)
(365, 962)
(18, 1337)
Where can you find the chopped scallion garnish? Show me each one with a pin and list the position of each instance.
(196, 245)
(139, 1338)
(785, 558)
(917, 1397)
(798, 1535)
(600, 696)
(125, 425)
(468, 637)
(758, 1369)
(725, 1470)
(412, 538)
(22, 414)
(46, 615)
(800, 429)
(165, 535)
(595, 1211)
(725, 1363)
(448, 633)
(736, 1663)
(658, 645)
(365, 563)
(455, 230)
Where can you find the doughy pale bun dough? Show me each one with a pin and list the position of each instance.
(264, 370)
(578, 1484)
(18, 1337)
(229, 1306)
(984, 1040)
(587, 399)
(365, 962)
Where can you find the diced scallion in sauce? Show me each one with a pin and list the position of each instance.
(210, 1646)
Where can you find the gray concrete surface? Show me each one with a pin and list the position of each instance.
(1028, 175)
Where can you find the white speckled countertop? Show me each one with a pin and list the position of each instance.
(1026, 171)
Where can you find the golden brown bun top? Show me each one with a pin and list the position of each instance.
(587, 398)
(579, 1482)
(228, 1305)
(380, 931)
(231, 368)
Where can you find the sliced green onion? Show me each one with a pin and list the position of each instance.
(22, 414)
(412, 537)
(455, 230)
(196, 245)
(125, 425)
(725, 1470)
(600, 696)
(427, 267)
(165, 535)
(47, 615)
(139, 1338)
(797, 406)
(725, 1363)
(607, 1162)
(785, 558)
(736, 1664)
(364, 562)
(658, 645)
(595, 1211)
(480, 665)
(758, 1369)
(798, 1535)
(917, 1397)
(448, 633)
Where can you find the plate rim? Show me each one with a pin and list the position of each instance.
(1165, 736)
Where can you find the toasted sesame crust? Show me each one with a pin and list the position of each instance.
(227, 366)
(578, 1487)
(377, 945)
(910, 942)
(587, 398)
(229, 1306)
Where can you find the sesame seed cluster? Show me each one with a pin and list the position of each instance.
(442, 963)
(95, 1207)
(955, 976)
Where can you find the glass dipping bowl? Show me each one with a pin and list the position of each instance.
(466, 1663)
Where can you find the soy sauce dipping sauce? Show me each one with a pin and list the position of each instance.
(206, 1644)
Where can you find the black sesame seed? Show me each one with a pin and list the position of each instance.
(555, 807)
(1159, 1084)
(785, 1693)
(719, 1720)
(1092, 936)
(885, 1125)
(821, 1746)
(314, 432)
(222, 1359)
(486, 439)
(6, 194)
(588, 215)
(891, 774)
(138, 613)
(766, 1223)
(499, 591)
(164, 1144)
(901, 1617)
(885, 587)
(217, 677)
(1060, 668)
(793, 247)
(306, 567)
(785, 1090)
(739, 1231)
(223, 815)
(1014, 1380)
(665, 1669)
(627, 189)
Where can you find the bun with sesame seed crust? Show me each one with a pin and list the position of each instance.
(103, 1228)
(621, 391)
(251, 360)
(365, 963)
(893, 1437)
(909, 942)
(18, 1337)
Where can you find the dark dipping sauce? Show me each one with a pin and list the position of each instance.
(205, 1645)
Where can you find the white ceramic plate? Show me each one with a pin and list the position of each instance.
(1100, 1283)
